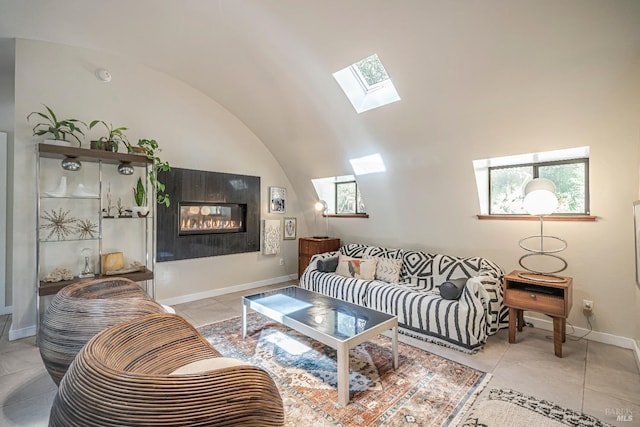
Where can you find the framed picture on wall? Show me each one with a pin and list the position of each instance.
(277, 200)
(289, 229)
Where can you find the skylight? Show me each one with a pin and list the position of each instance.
(368, 164)
(367, 84)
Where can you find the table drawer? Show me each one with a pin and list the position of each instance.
(526, 300)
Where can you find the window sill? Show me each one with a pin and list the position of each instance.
(346, 216)
(586, 218)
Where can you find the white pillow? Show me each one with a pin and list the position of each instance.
(205, 365)
(387, 269)
(357, 268)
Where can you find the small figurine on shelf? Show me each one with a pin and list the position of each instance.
(106, 212)
(122, 211)
(88, 270)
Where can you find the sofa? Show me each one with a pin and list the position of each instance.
(414, 292)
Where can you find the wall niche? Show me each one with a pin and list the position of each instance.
(198, 222)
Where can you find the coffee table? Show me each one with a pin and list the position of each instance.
(338, 324)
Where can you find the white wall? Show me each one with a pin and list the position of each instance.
(194, 132)
(7, 60)
(427, 199)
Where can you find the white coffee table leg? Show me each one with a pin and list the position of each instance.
(244, 320)
(395, 347)
(343, 374)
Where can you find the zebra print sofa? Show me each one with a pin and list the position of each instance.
(463, 324)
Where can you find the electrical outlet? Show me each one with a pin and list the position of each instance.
(281, 261)
(587, 306)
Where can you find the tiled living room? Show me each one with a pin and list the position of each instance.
(356, 213)
(599, 379)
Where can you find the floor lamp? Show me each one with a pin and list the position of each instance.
(540, 200)
(321, 209)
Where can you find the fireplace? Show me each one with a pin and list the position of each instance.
(211, 214)
(199, 218)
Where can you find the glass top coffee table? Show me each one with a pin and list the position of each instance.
(338, 324)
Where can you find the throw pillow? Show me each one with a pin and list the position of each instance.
(356, 268)
(387, 269)
(327, 265)
(452, 289)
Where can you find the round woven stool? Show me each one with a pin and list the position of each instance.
(81, 310)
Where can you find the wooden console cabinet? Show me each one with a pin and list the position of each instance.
(535, 294)
(310, 246)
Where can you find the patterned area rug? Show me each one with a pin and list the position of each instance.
(425, 390)
(508, 408)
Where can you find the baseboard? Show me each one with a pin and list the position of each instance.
(602, 337)
(6, 310)
(16, 334)
(229, 289)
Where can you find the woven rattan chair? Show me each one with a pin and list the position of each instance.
(122, 378)
(81, 310)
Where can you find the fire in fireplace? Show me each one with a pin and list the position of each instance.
(204, 218)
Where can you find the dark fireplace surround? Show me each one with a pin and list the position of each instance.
(211, 214)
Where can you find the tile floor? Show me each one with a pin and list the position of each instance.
(591, 377)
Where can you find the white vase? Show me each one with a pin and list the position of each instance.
(60, 191)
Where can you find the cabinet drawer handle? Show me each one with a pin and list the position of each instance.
(532, 296)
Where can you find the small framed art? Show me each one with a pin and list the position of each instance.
(277, 200)
(289, 229)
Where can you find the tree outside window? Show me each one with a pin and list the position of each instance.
(348, 199)
(506, 185)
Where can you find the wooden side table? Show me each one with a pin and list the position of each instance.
(535, 294)
(310, 246)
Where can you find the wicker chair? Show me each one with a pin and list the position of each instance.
(81, 310)
(123, 377)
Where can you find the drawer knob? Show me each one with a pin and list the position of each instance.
(533, 296)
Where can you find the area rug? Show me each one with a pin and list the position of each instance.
(509, 408)
(425, 390)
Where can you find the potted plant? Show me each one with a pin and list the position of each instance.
(140, 198)
(152, 149)
(60, 129)
(114, 137)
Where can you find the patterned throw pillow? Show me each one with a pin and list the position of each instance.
(387, 269)
(356, 268)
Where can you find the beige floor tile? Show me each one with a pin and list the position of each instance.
(25, 384)
(20, 358)
(607, 409)
(614, 382)
(604, 355)
(539, 373)
(213, 312)
(33, 412)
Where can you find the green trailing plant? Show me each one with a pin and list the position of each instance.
(115, 136)
(60, 129)
(152, 149)
(139, 193)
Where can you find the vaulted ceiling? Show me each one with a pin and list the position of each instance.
(467, 71)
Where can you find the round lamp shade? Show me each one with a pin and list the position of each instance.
(540, 197)
(321, 206)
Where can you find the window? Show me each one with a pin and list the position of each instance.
(348, 199)
(341, 194)
(506, 184)
(367, 84)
